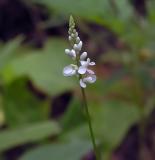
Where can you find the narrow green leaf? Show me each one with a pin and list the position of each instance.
(11, 138)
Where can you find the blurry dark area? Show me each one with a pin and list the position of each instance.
(18, 18)
(140, 7)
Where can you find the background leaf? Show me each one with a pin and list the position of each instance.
(34, 132)
(44, 67)
(8, 50)
(59, 151)
(111, 121)
(21, 106)
(73, 114)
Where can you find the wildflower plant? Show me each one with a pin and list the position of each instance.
(81, 69)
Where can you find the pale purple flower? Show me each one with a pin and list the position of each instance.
(70, 70)
(89, 79)
(84, 66)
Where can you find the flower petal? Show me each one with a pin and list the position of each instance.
(90, 71)
(92, 63)
(88, 60)
(83, 63)
(83, 56)
(69, 71)
(82, 70)
(72, 53)
(90, 79)
(82, 84)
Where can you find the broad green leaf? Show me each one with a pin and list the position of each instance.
(79, 132)
(112, 120)
(100, 11)
(44, 67)
(118, 16)
(21, 106)
(87, 8)
(74, 150)
(32, 133)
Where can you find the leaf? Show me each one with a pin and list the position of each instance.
(73, 114)
(8, 50)
(108, 85)
(21, 106)
(34, 132)
(81, 8)
(1, 112)
(100, 11)
(112, 120)
(59, 151)
(44, 67)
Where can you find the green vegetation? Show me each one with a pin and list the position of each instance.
(122, 97)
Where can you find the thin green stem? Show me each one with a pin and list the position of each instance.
(89, 123)
(87, 113)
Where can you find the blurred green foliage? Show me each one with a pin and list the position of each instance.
(73, 150)
(116, 103)
(22, 135)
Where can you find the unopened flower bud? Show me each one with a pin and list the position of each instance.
(70, 38)
(67, 51)
(83, 56)
(76, 34)
(78, 46)
(72, 35)
(77, 40)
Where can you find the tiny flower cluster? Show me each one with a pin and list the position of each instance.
(81, 68)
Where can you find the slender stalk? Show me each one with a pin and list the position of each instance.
(89, 123)
(88, 115)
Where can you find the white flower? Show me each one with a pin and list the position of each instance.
(70, 70)
(78, 46)
(87, 63)
(84, 67)
(71, 53)
(89, 79)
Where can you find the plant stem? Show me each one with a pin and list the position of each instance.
(90, 124)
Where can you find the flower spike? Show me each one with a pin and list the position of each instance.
(81, 68)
